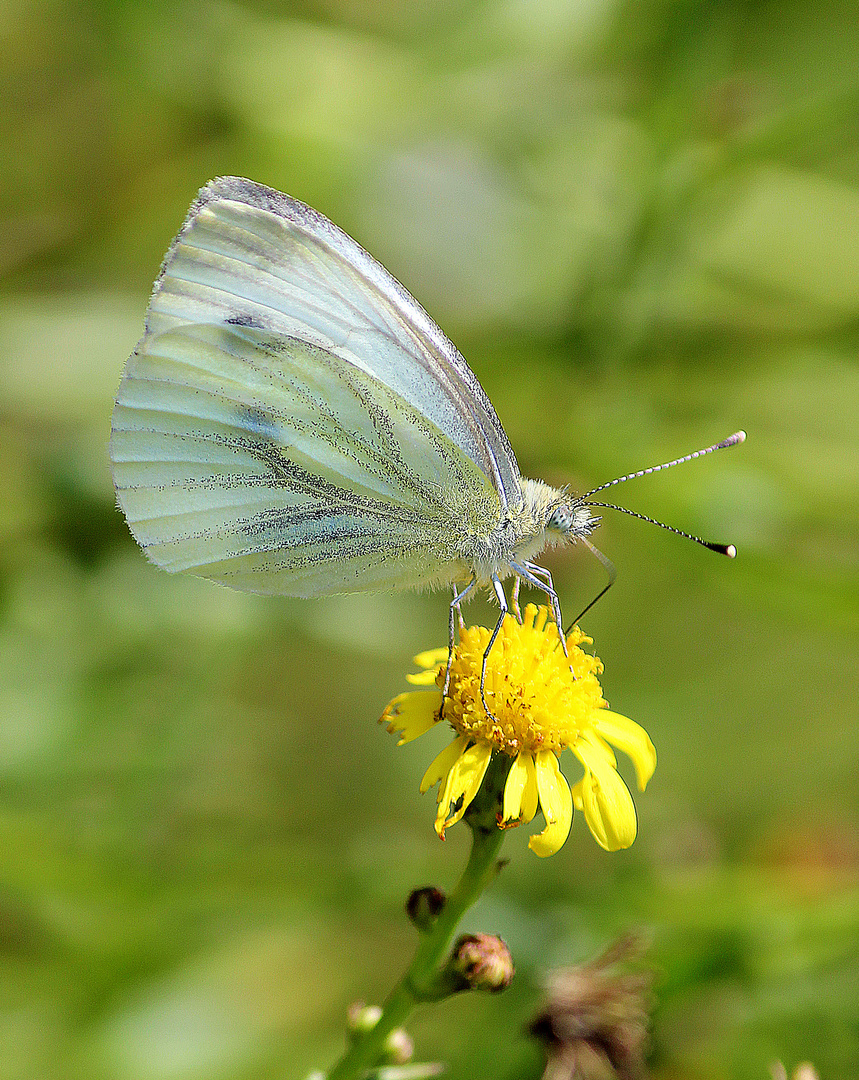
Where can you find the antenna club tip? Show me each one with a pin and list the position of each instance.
(731, 551)
(739, 436)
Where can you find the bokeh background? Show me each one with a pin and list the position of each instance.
(640, 223)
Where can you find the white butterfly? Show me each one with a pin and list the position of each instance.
(293, 422)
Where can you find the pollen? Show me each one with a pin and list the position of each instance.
(539, 698)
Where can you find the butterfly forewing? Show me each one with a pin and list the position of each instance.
(250, 255)
(272, 465)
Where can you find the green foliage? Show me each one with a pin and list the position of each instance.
(640, 222)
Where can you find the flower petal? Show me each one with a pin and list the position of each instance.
(442, 764)
(462, 784)
(520, 791)
(606, 802)
(431, 658)
(556, 803)
(411, 714)
(632, 739)
(598, 745)
(423, 678)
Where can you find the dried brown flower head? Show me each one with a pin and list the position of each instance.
(595, 1019)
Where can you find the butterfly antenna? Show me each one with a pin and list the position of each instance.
(722, 549)
(732, 440)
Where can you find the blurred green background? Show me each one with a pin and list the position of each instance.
(640, 223)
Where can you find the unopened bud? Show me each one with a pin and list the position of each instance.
(361, 1017)
(424, 906)
(483, 961)
(804, 1071)
(399, 1047)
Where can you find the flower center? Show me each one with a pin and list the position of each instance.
(537, 701)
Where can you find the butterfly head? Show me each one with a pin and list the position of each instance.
(571, 518)
(556, 515)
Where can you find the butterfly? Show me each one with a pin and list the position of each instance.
(293, 422)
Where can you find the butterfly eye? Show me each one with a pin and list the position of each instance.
(561, 520)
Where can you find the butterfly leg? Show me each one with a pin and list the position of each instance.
(541, 578)
(502, 603)
(455, 610)
(456, 604)
(514, 599)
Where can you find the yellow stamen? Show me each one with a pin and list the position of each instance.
(541, 703)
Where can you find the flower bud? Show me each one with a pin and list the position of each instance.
(399, 1047)
(424, 906)
(361, 1017)
(483, 962)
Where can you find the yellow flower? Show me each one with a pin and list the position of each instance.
(542, 702)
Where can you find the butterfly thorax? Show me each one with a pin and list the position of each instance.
(546, 517)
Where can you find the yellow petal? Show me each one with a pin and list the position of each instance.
(631, 738)
(423, 678)
(598, 745)
(520, 790)
(431, 658)
(462, 784)
(412, 714)
(606, 802)
(590, 808)
(443, 763)
(556, 803)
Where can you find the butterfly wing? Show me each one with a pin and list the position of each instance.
(292, 421)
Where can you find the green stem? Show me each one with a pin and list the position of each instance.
(418, 984)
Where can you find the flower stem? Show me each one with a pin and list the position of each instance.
(420, 982)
